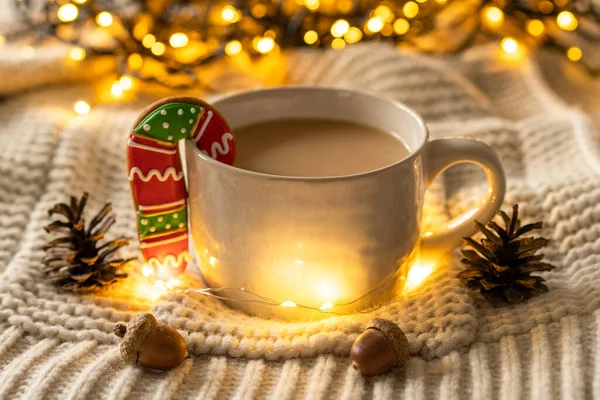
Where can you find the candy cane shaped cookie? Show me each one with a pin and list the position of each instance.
(156, 175)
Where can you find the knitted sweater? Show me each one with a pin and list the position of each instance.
(542, 123)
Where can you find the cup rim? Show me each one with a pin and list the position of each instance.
(294, 88)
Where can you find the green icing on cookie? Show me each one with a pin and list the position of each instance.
(170, 122)
(161, 222)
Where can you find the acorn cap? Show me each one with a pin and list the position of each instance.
(396, 337)
(134, 335)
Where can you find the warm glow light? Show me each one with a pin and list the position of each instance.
(147, 271)
(339, 28)
(311, 37)
(493, 15)
(264, 45)
(230, 14)
(116, 90)
(509, 45)
(566, 20)
(288, 304)
(79, 1)
(212, 261)
(353, 35)
(158, 49)
(68, 12)
(82, 108)
(384, 13)
(410, 9)
(338, 44)
(2, 40)
(535, 27)
(126, 82)
(417, 274)
(234, 47)
(178, 40)
(259, 10)
(326, 306)
(173, 283)
(326, 291)
(312, 5)
(574, 53)
(104, 19)
(77, 54)
(375, 24)
(401, 26)
(441, 1)
(135, 61)
(148, 41)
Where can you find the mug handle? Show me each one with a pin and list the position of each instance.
(440, 155)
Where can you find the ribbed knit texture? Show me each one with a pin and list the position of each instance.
(57, 345)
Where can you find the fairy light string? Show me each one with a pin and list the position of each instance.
(170, 41)
(412, 279)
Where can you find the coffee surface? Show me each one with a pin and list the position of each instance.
(315, 148)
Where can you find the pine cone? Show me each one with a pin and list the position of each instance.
(500, 267)
(77, 261)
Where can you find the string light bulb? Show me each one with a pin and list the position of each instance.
(401, 26)
(535, 27)
(68, 12)
(338, 43)
(574, 53)
(264, 45)
(135, 61)
(339, 28)
(79, 1)
(233, 47)
(104, 19)
(259, 10)
(493, 15)
(178, 40)
(312, 5)
(82, 107)
(375, 24)
(311, 37)
(230, 14)
(116, 90)
(509, 45)
(148, 41)
(353, 35)
(77, 54)
(384, 13)
(326, 306)
(566, 21)
(126, 82)
(288, 303)
(410, 9)
(158, 49)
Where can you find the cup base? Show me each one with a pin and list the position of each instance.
(255, 304)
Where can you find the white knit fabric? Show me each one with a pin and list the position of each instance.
(57, 345)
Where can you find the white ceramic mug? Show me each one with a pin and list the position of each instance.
(326, 241)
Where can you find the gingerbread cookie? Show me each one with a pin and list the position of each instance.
(156, 175)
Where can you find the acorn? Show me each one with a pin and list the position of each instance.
(381, 347)
(151, 343)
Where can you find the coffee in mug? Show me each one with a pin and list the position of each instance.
(315, 147)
